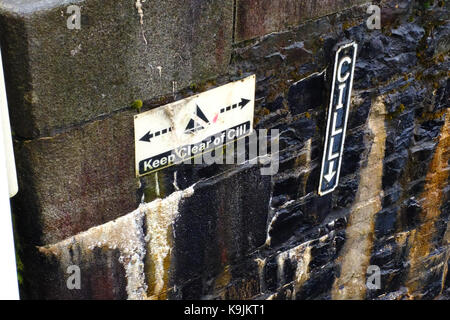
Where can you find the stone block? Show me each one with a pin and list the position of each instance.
(76, 180)
(255, 18)
(181, 241)
(225, 220)
(86, 177)
(58, 77)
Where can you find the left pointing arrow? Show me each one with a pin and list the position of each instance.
(147, 137)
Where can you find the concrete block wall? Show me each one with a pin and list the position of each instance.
(226, 231)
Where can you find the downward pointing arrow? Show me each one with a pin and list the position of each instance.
(146, 138)
(330, 175)
(243, 103)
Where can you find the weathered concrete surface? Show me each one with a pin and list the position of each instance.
(57, 77)
(132, 251)
(80, 179)
(240, 235)
(86, 177)
(149, 245)
(255, 18)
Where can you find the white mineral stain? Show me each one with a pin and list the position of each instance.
(308, 147)
(261, 264)
(159, 70)
(160, 216)
(174, 88)
(299, 256)
(303, 259)
(355, 257)
(269, 229)
(126, 235)
(138, 6)
(175, 184)
(272, 296)
(76, 50)
(280, 271)
(140, 11)
(315, 74)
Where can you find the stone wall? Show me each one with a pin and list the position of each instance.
(226, 231)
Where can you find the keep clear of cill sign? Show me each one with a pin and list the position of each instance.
(190, 127)
(338, 110)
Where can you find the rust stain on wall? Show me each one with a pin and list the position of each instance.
(242, 290)
(355, 257)
(223, 279)
(421, 240)
(447, 257)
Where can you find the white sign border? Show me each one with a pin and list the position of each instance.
(251, 129)
(330, 109)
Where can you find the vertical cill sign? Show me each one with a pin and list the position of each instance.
(341, 91)
(189, 128)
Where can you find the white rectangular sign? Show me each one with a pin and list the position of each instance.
(190, 127)
(338, 110)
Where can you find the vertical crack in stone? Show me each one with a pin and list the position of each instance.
(160, 216)
(355, 258)
(431, 199)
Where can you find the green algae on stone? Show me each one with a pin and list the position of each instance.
(137, 104)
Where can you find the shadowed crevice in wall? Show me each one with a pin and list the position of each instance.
(221, 224)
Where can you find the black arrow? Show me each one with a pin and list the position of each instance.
(147, 137)
(243, 103)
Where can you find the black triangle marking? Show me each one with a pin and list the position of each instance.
(193, 126)
(190, 126)
(201, 115)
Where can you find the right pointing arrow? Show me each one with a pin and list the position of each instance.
(330, 175)
(243, 103)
